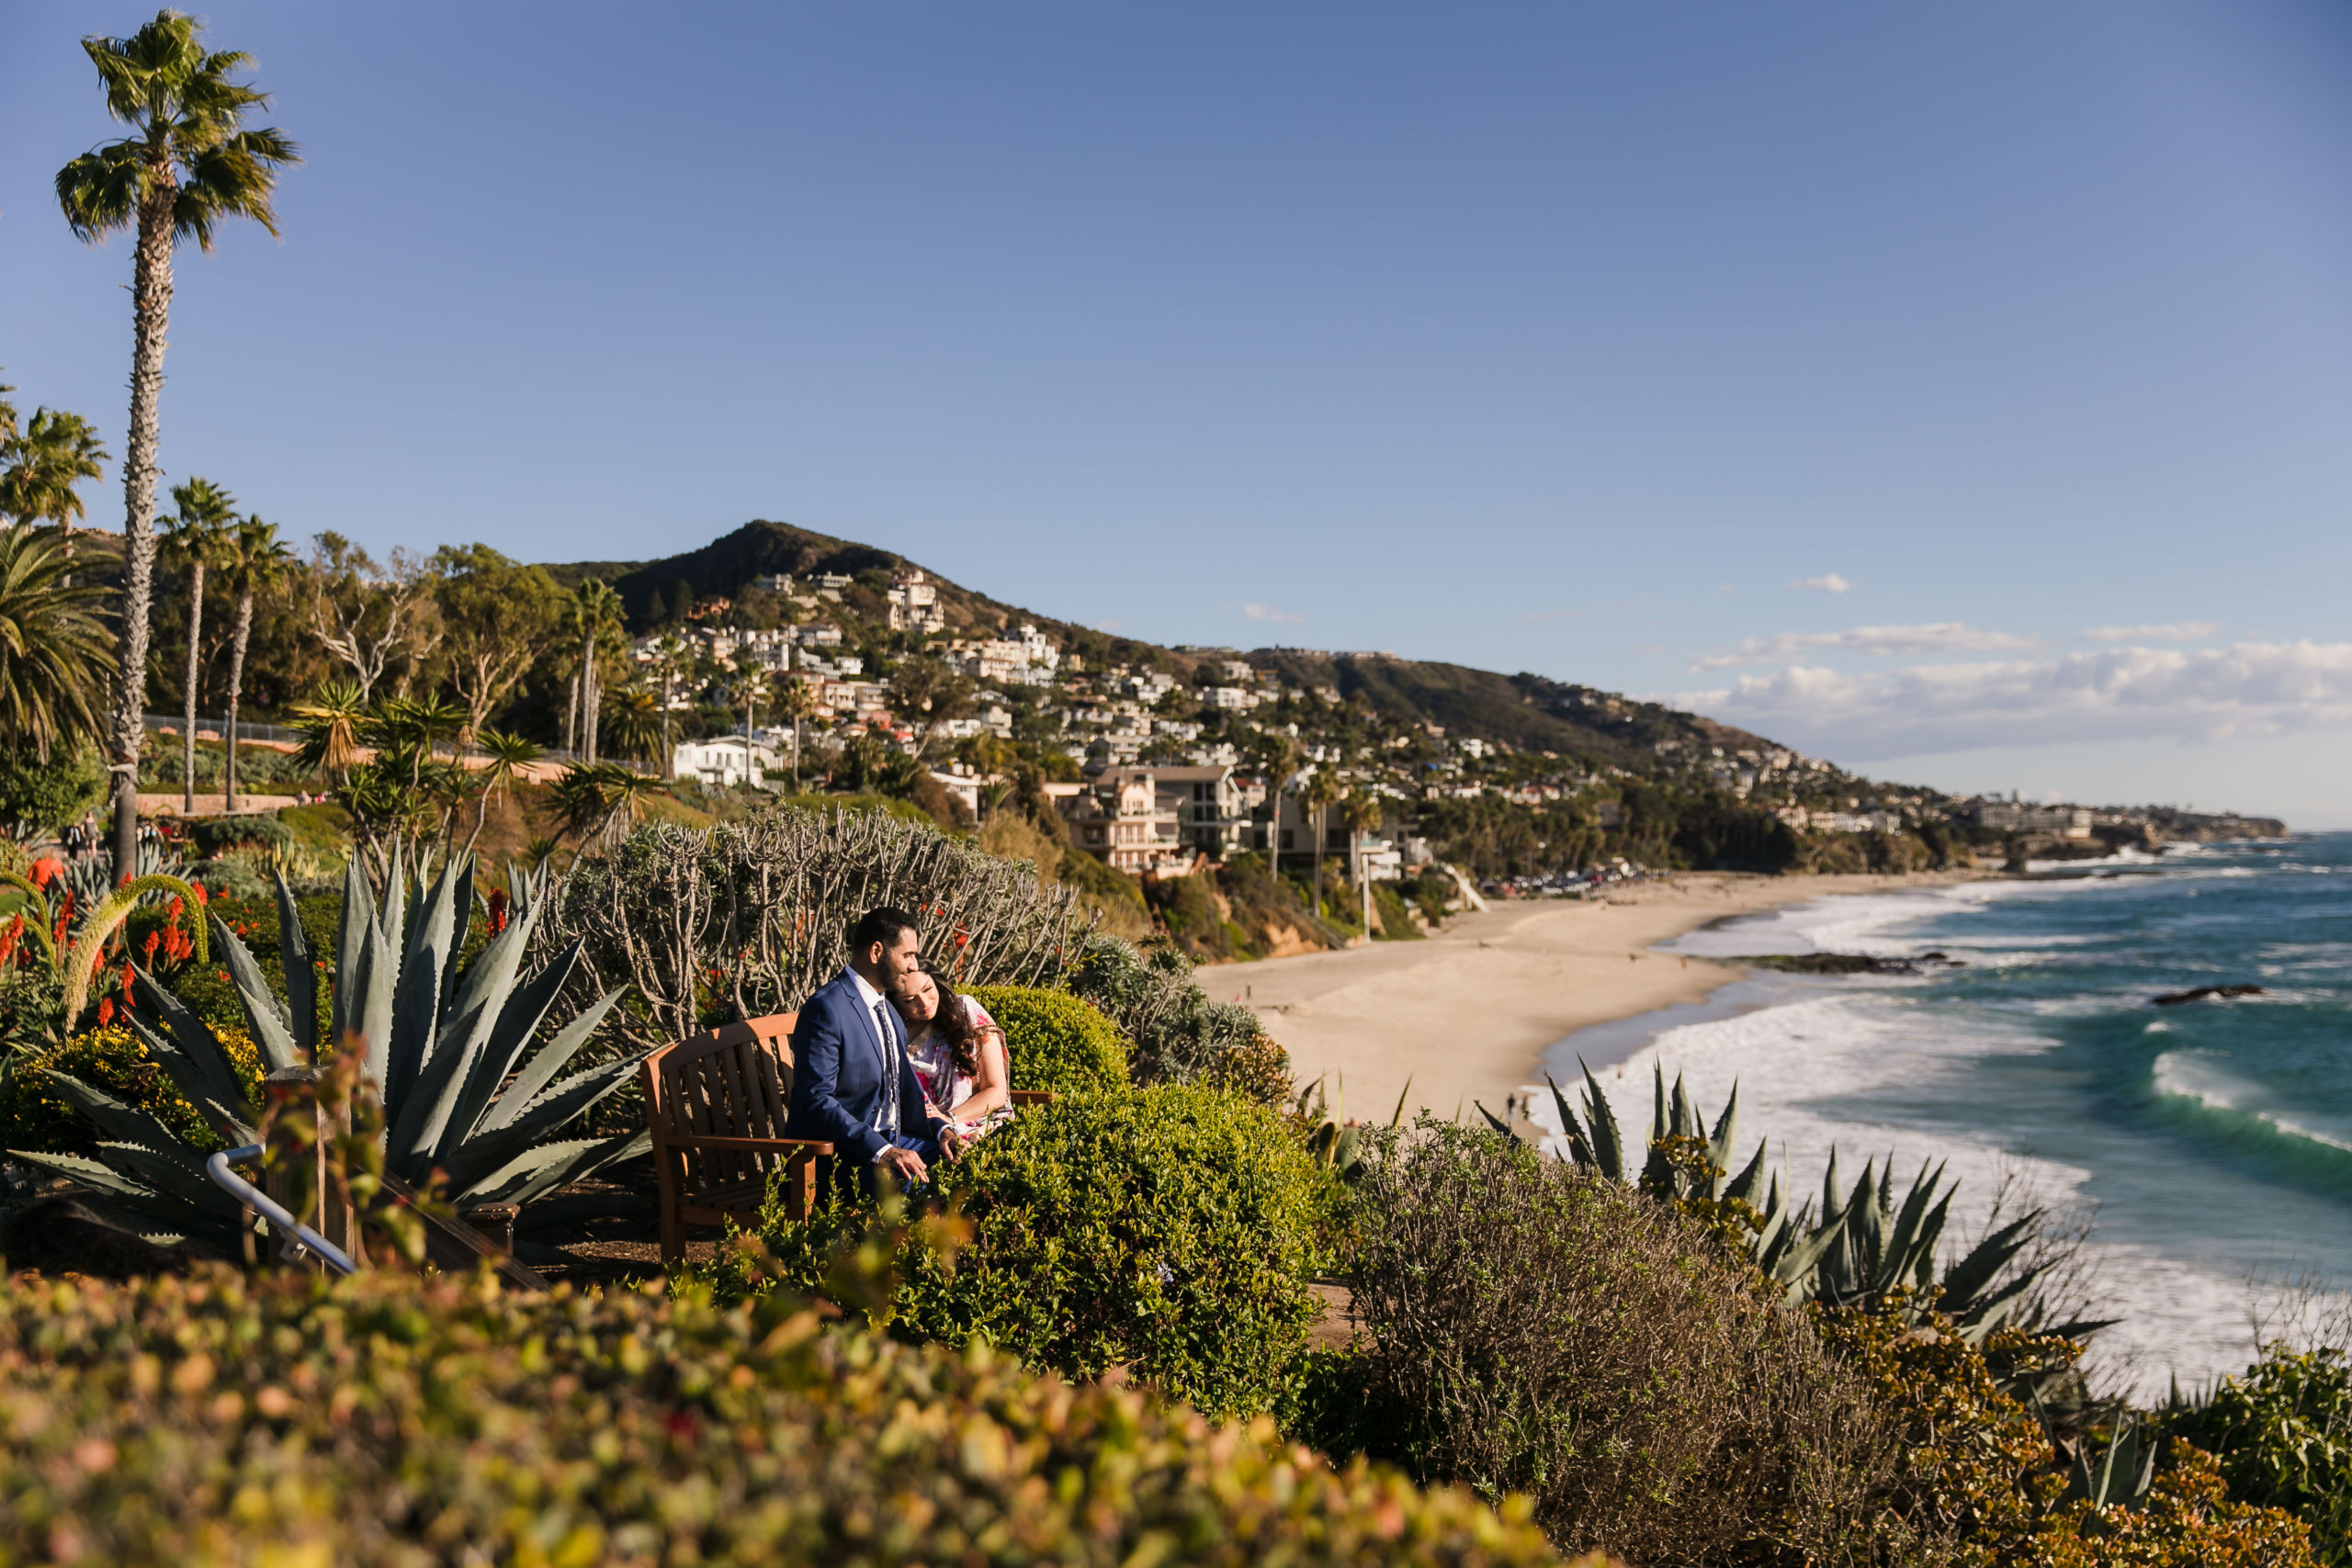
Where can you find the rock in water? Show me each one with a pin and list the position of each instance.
(61, 1235)
(2175, 998)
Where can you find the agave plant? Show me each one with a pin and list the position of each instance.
(2123, 1470)
(1859, 1249)
(1337, 1146)
(465, 1094)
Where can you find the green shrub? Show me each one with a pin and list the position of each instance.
(2283, 1434)
(1055, 1041)
(1175, 1034)
(45, 795)
(1169, 1232)
(383, 1421)
(1532, 1329)
(214, 834)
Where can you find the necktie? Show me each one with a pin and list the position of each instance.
(886, 1121)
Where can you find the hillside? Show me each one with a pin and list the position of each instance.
(1525, 711)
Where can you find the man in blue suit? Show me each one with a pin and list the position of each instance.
(852, 1084)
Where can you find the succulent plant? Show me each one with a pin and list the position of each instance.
(1859, 1249)
(464, 1092)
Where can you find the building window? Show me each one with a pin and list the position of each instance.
(1286, 837)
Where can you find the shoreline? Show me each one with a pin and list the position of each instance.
(1467, 1015)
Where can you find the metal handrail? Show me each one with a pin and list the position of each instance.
(303, 1238)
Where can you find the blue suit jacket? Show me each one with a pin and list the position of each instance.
(838, 1079)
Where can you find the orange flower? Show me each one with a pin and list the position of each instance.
(106, 1012)
(46, 871)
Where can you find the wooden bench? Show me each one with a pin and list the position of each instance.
(717, 1105)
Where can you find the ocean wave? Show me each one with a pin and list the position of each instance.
(2193, 1079)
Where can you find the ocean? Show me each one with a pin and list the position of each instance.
(2208, 1144)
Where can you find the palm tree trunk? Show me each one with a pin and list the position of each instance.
(667, 770)
(236, 683)
(150, 310)
(187, 730)
(588, 697)
(572, 716)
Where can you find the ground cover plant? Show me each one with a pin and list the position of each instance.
(1169, 1231)
(384, 1420)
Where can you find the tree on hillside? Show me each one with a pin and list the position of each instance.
(497, 617)
(190, 164)
(53, 655)
(1361, 813)
(796, 701)
(635, 722)
(367, 616)
(926, 692)
(194, 539)
(509, 755)
(43, 467)
(669, 657)
(1321, 792)
(1278, 755)
(253, 558)
(595, 615)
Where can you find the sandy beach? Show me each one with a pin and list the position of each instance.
(1467, 1014)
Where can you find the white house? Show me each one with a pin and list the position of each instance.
(723, 761)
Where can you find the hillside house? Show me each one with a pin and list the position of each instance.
(723, 761)
(914, 603)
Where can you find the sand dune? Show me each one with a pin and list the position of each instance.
(1467, 1014)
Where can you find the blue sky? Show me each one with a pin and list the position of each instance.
(1572, 337)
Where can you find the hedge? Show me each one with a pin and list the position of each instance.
(1055, 1041)
(1169, 1231)
(382, 1421)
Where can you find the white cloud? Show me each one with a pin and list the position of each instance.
(2108, 693)
(2177, 631)
(1261, 612)
(1941, 637)
(1831, 583)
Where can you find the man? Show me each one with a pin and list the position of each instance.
(852, 1084)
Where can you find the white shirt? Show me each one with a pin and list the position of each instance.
(868, 999)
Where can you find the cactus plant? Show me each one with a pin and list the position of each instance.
(465, 1095)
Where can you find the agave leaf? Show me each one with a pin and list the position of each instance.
(416, 1005)
(1724, 1143)
(1966, 1279)
(453, 1082)
(273, 1029)
(510, 1036)
(353, 944)
(546, 1167)
(125, 1122)
(1607, 1142)
(492, 1148)
(88, 1172)
(1743, 1186)
(391, 913)
(194, 1060)
(1682, 1115)
(1498, 1124)
(1580, 1151)
(301, 974)
(542, 1068)
(1660, 1127)
(1804, 1256)
(1906, 1235)
(373, 1016)
(1829, 1205)
(173, 1176)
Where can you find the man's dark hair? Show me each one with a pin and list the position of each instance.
(882, 925)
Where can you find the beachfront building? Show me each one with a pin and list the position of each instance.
(724, 761)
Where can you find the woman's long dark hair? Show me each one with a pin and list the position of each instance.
(952, 1024)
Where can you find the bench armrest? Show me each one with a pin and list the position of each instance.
(749, 1145)
(1034, 1096)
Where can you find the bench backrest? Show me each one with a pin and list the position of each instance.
(733, 1082)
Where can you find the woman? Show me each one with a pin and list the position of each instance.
(957, 1050)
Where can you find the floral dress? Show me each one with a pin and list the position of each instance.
(934, 1064)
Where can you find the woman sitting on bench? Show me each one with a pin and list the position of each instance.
(957, 1050)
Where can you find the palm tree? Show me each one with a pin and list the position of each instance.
(190, 164)
(509, 755)
(1281, 759)
(255, 558)
(796, 701)
(53, 655)
(194, 540)
(40, 469)
(668, 654)
(1322, 792)
(752, 685)
(637, 721)
(330, 724)
(597, 610)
